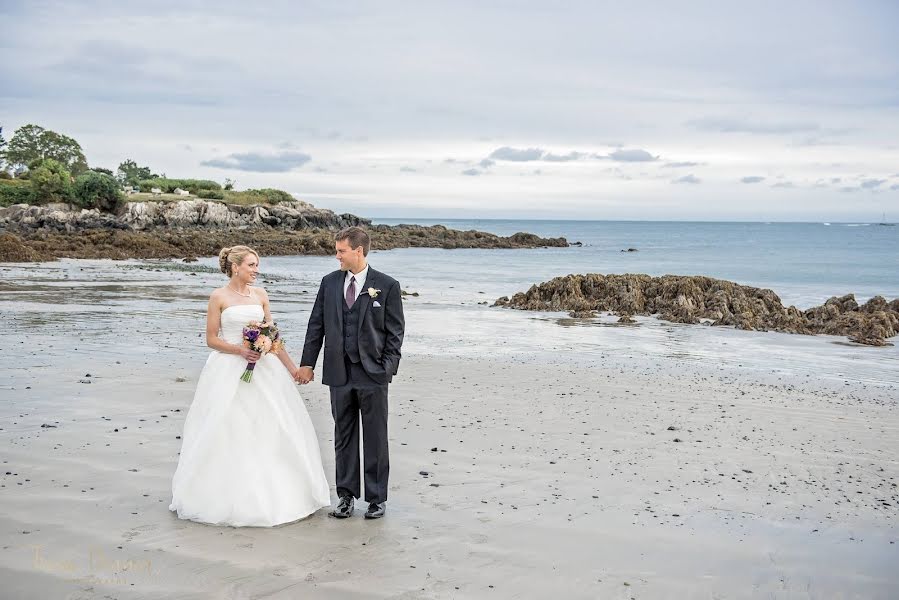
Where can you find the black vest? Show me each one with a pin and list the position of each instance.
(351, 331)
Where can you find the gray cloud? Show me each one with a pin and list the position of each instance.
(784, 184)
(563, 157)
(752, 179)
(677, 165)
(157, 74)
(486, 163)
(633, 155)
(131, 75)
(687, 179)
(870, 184)
(471, 172)
(894, 187)
(516, 154)
(405, 169)
(737, 125)
(260, 163)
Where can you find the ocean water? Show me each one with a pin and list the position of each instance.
(804, 263)
(158, 307)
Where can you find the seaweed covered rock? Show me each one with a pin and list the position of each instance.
(692, 299)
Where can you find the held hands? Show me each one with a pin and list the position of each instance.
(304, 375)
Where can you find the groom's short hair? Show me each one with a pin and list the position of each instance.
(355, 236)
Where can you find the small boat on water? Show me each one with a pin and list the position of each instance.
(883, 221)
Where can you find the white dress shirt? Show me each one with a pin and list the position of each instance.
(360, 281)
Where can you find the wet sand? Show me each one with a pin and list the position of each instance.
(548, 472)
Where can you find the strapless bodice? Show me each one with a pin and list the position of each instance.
(235, 318)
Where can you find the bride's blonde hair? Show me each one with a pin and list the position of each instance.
(234, 256)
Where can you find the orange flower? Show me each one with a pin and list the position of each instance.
(263, 343)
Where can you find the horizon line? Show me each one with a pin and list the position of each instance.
(766, 221)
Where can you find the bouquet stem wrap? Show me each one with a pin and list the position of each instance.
(248, 373)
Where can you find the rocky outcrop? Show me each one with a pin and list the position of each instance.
(190, 228)
(438, 236)
(145, 216)
(690, 299)
(24, 218)
(184, 214)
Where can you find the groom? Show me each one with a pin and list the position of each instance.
(358, 314)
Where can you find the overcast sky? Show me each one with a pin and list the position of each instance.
(602, 110)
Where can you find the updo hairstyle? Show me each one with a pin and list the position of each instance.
(234, 255)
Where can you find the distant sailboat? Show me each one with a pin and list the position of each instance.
(883, 221)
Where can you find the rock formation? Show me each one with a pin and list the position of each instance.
(689, 299)
(184, 214)
(195, 227)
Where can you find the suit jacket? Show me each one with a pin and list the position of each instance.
(381, 328)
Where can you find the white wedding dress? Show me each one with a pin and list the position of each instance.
(249, 453)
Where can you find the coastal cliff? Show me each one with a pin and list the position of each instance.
(197, 227)
(695, 299)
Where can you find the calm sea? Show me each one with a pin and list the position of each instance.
(805, 263)
(160, 305)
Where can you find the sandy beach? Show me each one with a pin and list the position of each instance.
(518, 473)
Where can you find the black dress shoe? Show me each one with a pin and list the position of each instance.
(344, 508)
(375, 510)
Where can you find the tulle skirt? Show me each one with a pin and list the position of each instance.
(249, 453)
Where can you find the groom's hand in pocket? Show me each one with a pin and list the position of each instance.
(305, 375)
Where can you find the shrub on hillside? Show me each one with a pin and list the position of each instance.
(16, 191)
(168, 186)
(51, 182)
(97, 190)
(211, 194)
(262, 196)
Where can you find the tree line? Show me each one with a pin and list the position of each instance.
(40, 166)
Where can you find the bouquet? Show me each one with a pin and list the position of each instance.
(262, 338)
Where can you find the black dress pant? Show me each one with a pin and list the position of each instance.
(363, 397)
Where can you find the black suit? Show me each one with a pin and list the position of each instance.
(359, 363)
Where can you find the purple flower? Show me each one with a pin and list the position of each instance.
(251, 334)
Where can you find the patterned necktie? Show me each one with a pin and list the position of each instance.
(351, 293)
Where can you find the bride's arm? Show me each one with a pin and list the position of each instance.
(214, 323)
(283, 356)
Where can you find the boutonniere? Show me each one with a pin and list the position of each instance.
(373, 292)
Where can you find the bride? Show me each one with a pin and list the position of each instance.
(249, 454)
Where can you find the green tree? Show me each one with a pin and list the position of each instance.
(229, 184)
(2, 151)
(51, 182)
(32, 143)
(102, 170)
(129, 173)
(97, 190)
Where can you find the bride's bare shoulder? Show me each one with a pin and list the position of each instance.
(217, 296)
